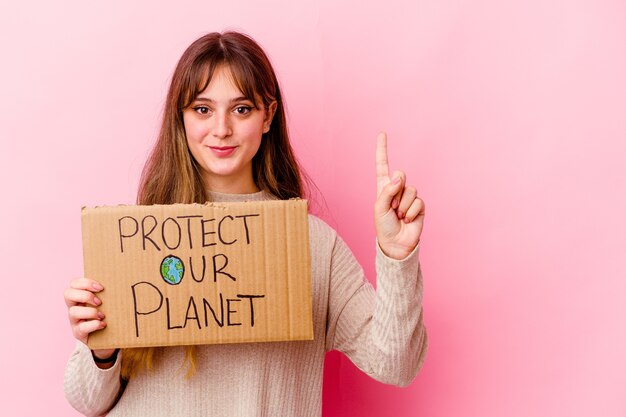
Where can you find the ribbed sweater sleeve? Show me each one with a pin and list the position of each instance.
(89, 389)
(381, 331)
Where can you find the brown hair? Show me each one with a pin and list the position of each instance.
(172, 175)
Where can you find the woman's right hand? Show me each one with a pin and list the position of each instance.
(85, 318)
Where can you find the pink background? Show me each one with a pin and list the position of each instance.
(509, 117)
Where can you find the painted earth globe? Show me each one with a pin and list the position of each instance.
(172, 269)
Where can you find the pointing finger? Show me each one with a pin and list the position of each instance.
(382, 163)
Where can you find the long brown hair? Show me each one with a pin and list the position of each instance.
(172, 175)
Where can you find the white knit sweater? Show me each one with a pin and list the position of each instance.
(382, 332)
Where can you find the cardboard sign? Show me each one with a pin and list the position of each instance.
(200, 273)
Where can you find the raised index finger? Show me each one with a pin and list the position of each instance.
(382, 163)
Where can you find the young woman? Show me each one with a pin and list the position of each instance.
(224, 138)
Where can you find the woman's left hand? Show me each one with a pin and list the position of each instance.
(398, 212)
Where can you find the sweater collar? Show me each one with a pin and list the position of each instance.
(226, 197)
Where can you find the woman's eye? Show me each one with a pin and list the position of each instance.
(201, 110)
(243, 109)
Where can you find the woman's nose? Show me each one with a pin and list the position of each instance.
(221, 125)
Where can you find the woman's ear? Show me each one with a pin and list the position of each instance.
(269, 115)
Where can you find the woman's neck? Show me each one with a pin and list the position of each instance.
(232, 185)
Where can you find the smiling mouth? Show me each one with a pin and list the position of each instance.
(222, 151)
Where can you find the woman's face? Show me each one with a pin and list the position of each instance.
(224, 132)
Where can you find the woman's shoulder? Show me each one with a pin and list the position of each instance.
(316, 224)
(320, 225)
(321, 234)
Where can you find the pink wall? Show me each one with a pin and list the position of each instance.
(509, 117)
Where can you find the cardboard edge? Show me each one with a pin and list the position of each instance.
(215, 204)
(302, 338)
